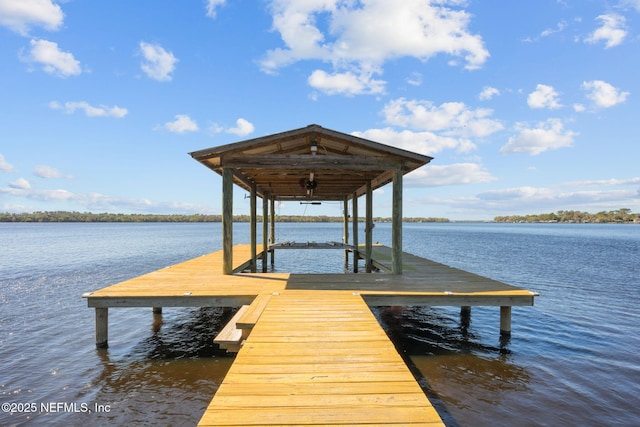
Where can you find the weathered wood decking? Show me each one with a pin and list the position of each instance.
(198, 283)
(318, 358)
(314, 353)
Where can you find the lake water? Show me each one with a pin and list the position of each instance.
(573, 358)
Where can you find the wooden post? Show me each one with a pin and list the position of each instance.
(354, 219)
(465, 316)
(265, 231)
(157, 310)
(102, 327)
(227, 221)
(368, 229)
(272, 234)
(396, 224)
(253, 221)
(345, 231)
(505, 321)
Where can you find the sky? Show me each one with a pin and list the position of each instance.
(528, 106)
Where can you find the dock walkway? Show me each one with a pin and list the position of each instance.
(318, 358)
(314, 353)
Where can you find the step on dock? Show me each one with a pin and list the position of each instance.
(318, 358)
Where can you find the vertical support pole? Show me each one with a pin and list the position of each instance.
(227, 221)
(505, 321)
(272, 234)
(345, 231)
(157, 310)
(253, 226)
(354, 219)
(368, 229)
(265, 231)
(465, 316)
(102, 327)
(396, 224)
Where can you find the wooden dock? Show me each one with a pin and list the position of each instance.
(318, 358)
(310, 350)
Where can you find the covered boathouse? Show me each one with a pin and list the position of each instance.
(309, 350)
(311, 164)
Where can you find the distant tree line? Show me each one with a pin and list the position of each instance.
(65, 216)
(616, 216)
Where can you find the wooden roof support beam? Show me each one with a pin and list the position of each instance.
(354, 220)
(265, 225)
(396, 224)
(306, 161)
(227, 221)
(368, 228)
(253, 226)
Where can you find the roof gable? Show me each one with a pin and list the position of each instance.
(310, 163)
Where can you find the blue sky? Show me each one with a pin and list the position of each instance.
(527, 107)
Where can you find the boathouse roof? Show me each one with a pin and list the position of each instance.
(310, 163)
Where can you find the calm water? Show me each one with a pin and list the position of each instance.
(573, 359)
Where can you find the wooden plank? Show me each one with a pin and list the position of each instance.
(317, 388)
(231, 334)
(306, 162)
(252, 314)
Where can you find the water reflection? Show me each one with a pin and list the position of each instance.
(471, 386)
(168, 378)
(463, 377)
(431, 331)
(154, 391)
(186, 333)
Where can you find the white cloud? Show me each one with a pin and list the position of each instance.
(21, 15)
(356, 37)
(631, 3)
(96, 201)
(427, 143)
(212, 6)
(415, 79)
(545, 199)
(559, 28)
(591, 196)
(346, 83)
(183, 123)
(4, 165)
(604, 94)
(455, 174)
(544, 97)
(548, 135)
(158, 64)
(53, 60)
(243, 127)
(603, 182)
(89, 110)
(519, 193)
(20, 183)
(488, 92)
(49, 173)
(454, 118)
(613, 30)
(30, 193)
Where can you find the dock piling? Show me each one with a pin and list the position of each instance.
(505, 321)
(465, 316)
(102, 327)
